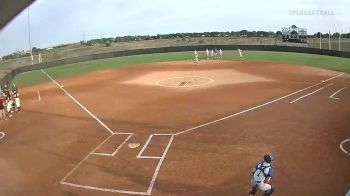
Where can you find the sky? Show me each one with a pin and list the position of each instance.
(54, 22)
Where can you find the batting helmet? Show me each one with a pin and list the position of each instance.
(268, 158)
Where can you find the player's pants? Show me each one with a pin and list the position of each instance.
(18, 103)
(9, 106)
(267, 188)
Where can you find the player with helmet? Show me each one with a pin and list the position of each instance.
(262, 174)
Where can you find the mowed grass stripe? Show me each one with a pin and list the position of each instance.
(326, 62)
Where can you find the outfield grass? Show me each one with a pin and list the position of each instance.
(326, 62)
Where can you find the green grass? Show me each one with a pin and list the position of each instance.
(326, 62)
(321, 61)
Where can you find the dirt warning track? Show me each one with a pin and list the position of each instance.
(200, 128)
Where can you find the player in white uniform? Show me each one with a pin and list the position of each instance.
(196, 59)
(262, 174)
(240, 53)
(9, 107)
(207, 52)
(220, 54)
(17, 101)
(212, 53)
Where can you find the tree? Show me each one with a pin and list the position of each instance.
(243, 32)
(278, 34)
(336, 34)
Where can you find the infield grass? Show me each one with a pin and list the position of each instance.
(326, 62)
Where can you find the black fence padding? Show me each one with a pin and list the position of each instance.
(11, 74)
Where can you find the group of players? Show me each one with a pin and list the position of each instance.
(213, 54)
(9, 102)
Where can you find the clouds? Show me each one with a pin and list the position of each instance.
(56, 21)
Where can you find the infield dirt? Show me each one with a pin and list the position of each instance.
(50, 137)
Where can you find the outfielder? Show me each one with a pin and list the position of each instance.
(240, 53)
(220, 54)
(196, 59)
(212, 53)
(262, 174)
(207, 52)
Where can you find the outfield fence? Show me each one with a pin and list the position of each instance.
(8, 75)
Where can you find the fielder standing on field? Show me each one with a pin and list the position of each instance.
(196, 59)
(240, 53)
(262, 174)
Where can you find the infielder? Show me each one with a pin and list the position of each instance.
(262, 174)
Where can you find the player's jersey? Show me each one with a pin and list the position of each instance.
(262, 171)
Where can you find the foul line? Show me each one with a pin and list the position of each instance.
(256, 107)
(77, 102)
(315, 91)
(332, 96)
(2, 135)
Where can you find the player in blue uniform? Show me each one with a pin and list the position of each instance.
(262, 174)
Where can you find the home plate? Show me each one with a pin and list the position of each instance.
(133, 145)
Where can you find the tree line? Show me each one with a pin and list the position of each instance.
(108, 41)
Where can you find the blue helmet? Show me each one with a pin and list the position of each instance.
(268, 158)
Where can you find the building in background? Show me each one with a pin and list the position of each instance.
(294, 34)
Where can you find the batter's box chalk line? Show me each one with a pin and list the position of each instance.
(342, 148)
(117, 149)
(152, 181)
(2, 135)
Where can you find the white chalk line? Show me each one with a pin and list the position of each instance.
(104, 189)
(116, 150)
(313, 92)
(164, 153)
(2, 135)
(338, 91)
(148, 157)
(154, 177)
(76, 167)
(98, 146)
(149, 191)
(256, 107)
(144, 146)
(77, 102)
(140, 156)
(342, 148)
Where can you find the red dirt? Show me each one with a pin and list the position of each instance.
(50, 137)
